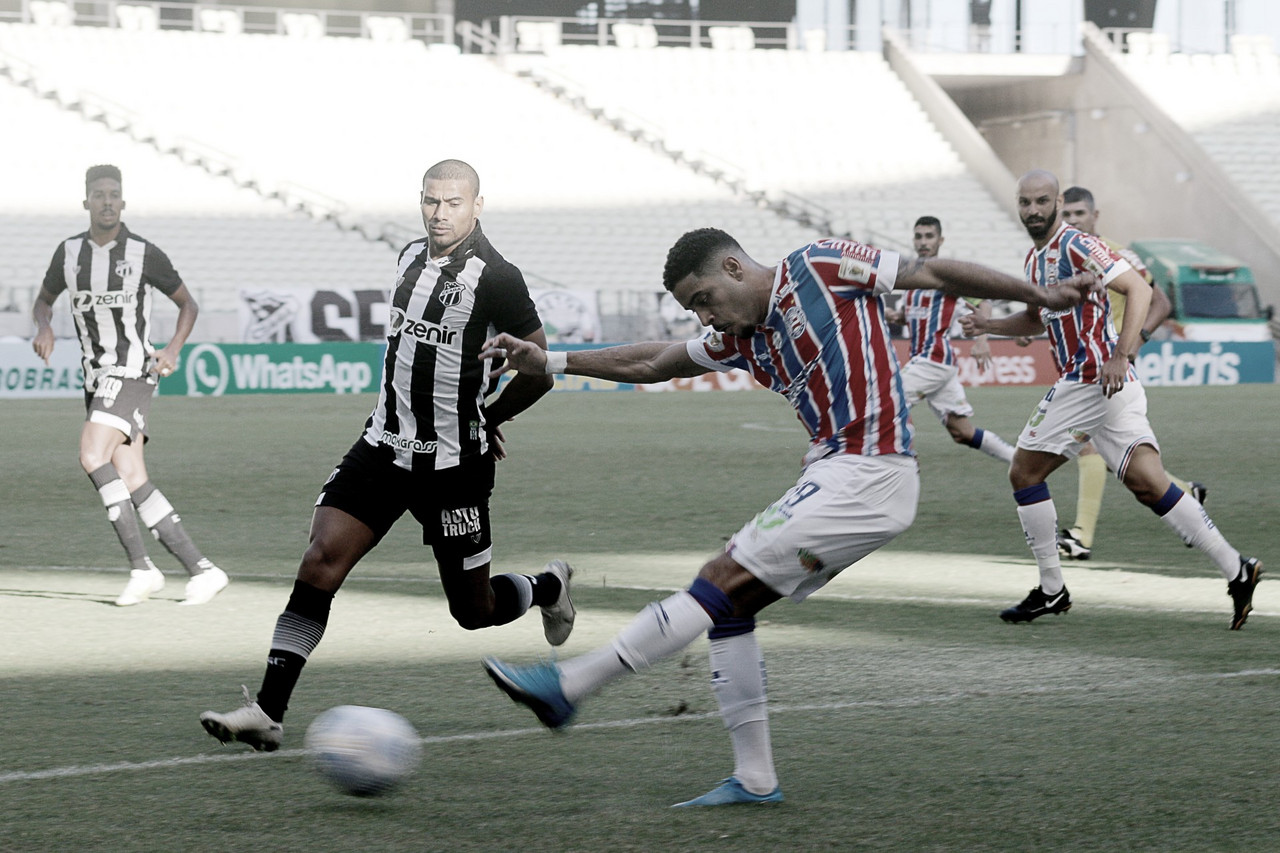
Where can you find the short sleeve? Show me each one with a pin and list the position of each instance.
(509, 306)
(55, 278)
(158, 271)
(1089, 254)
(714, 352)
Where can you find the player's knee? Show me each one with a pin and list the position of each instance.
(323, 566)
(91, 460)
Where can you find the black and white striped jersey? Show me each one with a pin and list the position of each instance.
(111, 292)
(430, 407)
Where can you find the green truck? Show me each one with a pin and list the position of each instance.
(1214, 295)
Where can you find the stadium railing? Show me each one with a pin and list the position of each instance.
(432, 28)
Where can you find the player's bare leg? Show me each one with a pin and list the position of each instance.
(962, 431)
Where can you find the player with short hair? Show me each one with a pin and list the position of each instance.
(111, 274)
(811, 328)
(1097, 398)
(930, 373)
(1076, 541)
(429, 447)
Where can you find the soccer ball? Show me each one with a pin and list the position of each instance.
(364, 751)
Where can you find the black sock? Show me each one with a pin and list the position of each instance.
(546, 589)
(507, 606)
(298, 632)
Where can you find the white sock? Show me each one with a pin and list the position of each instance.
(1040, 524)
(1192, 523)
(995, 446)
(661, 629)
(738, 681)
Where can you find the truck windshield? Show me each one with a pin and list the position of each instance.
(1220, 301)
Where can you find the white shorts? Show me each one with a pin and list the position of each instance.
(1073, 414)
(939, 384)
(842, 508)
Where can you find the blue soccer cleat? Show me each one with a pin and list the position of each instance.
(730, 792)
(536, 686)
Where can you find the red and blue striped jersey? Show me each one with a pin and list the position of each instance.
(824, 345)
(929, 314)
(1082, 337)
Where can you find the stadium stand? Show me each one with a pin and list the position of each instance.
(871, 158)
(221, 237)
(341, 128)
(1229, 103)
(357, 121)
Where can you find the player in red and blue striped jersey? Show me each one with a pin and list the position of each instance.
(811, 328)
(1097, 398)
(931, 373)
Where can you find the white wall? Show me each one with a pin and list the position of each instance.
(1199, 26)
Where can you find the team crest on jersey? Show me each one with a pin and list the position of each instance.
(124, 268)
(796, 321)
(715, 342)
(450, 294)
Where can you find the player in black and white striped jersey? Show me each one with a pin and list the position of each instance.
(111, 275)
(429, 447)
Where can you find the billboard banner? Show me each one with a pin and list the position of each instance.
(215, 370)
(23, 374)
(306, 315)
(302, 315)
(353, 367)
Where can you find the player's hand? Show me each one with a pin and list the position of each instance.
(496, 447)
(1113, 375)
(1023, 340)
(163, 363)
(973, 325)
(981, 352)
(1070, 293)
(511, 353)
(43, 344)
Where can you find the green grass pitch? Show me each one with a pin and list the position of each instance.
(905, 715)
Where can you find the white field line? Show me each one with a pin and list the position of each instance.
(903, 702)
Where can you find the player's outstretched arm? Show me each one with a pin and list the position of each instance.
(1023, 323)
(962, 278)
(655, 361)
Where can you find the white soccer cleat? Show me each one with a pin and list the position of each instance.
(203, 587)
(246, 724)
(557, 619)
(142, 584)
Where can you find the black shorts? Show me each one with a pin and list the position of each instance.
(122, 404)
(452, 505)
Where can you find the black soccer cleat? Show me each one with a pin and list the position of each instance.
(1241, 590)
(1070, 546)
(1037, 604)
